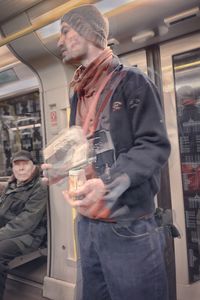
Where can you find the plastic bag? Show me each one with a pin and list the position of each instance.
(70, 149)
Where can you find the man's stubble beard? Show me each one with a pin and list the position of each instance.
(75, 56)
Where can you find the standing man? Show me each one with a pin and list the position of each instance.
(119, 109)
(22, 213)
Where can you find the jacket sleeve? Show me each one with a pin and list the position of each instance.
(150, 145)
(29, 218)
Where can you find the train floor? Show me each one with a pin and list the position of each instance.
(26, 281)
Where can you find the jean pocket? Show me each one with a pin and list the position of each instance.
(136, 229)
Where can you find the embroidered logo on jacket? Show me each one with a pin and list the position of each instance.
(134, 102)
(116, 106)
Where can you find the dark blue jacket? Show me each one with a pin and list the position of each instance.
(137, 129)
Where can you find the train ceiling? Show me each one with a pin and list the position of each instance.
(133, 23)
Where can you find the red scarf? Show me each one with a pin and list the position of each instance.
(88, 84)
(86, 79)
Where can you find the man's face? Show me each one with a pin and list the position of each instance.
(23, 169)
(73, 47)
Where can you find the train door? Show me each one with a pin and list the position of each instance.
(180, 62)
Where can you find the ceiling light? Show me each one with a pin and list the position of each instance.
(143, 36)
(187, 14)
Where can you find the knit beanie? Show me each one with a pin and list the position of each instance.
(90, 23)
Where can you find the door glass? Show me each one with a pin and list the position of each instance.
(186, 68)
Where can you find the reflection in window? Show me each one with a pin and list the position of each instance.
(20, 128)
(187, 74)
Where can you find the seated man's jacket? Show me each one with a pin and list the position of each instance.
(23, 212)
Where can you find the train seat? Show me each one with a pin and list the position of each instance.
(23, 259)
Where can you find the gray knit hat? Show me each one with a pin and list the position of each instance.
(90, 23)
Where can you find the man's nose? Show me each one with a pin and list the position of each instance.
(21, 166)
(60, 42)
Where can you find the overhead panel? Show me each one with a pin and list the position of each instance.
(11, 8)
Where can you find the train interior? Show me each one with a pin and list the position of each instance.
(162, 38)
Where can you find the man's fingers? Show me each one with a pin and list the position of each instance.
(70, 200)
(46, 166)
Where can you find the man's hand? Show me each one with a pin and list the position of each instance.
(49, 176)
(91, 194)
(95, 199)
(92, 191)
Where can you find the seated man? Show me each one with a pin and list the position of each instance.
(22, 212)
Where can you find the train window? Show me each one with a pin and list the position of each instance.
(20, 128)
(186, 67)
(135, 59)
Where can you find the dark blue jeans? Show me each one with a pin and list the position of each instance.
(122, 261)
